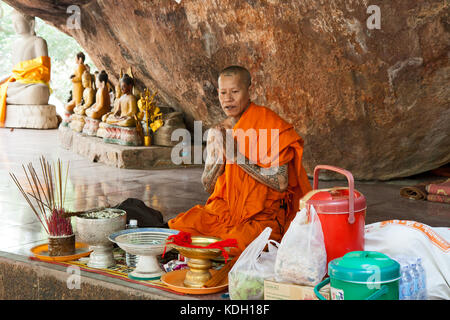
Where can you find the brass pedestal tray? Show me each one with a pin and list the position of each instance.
(175, 281)
(199, 262)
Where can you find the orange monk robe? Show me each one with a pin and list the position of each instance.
(241, 207)
(36, 70)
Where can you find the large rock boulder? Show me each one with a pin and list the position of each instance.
(373, 101)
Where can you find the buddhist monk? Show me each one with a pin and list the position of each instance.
(249, 190)
(102, 103)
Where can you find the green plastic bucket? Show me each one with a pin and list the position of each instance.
(362, 275)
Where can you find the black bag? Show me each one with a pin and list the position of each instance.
(146, 216)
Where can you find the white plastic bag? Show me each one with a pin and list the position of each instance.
(301, 257)
(246, 278)
(415, 239)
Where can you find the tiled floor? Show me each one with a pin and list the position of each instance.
(171, 191)
(89, 185)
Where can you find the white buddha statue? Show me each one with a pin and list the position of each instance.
(25, 93)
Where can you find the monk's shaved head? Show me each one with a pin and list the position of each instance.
(233, 90)
(243, 73)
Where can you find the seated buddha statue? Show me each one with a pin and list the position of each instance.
(77, 86)
(88, 94)
(121, 126)
(77, 120)
(102, 103)
(27, 88)
(101, 106)
(125, 108)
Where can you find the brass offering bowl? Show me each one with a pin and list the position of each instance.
(199, 260)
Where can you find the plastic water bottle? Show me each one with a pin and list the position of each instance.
(131, 259)
(406, 284)
(416, 280)
(423, 280)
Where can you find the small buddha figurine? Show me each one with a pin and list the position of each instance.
(88, 94)
(77, 86)
(125, 108)
(102, 103)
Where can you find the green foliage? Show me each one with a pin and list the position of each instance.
(62, 50)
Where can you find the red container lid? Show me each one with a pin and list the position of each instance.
(336, 200)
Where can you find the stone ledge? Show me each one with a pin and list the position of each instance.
(21, 278)
(127, 157)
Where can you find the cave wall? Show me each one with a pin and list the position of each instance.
(373, 101)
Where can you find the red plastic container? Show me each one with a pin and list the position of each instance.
(341, 212)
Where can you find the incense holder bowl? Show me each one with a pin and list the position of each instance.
(94, 229)
(61, 245)
(146, 244)
(199, 260)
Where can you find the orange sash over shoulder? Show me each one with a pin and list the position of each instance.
(31, 71)
(241, 207)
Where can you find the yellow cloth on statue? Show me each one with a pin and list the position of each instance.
(36, 70)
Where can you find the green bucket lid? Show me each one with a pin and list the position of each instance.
(364, 266)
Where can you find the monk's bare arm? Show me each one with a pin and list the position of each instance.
(210, 175)
(215, 164)
(275, 177)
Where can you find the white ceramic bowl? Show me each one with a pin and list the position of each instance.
(146, 244)
(95, 232)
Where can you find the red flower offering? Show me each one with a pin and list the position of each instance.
(184, 239)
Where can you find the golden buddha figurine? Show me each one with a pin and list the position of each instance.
(77, 86)
(118, 91)
(102, 103)
(125, 109)
(101, 106)
(88, 94)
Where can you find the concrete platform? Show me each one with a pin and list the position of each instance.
(170, 191)
(23, 279)
(115, 155)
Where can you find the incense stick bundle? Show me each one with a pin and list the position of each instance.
(48, 195)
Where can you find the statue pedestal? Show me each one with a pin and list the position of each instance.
(67, 118)
(65, 136)
(91, 126)
(126, 136)
(101, 131)
(31, 116)
(77, 123)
